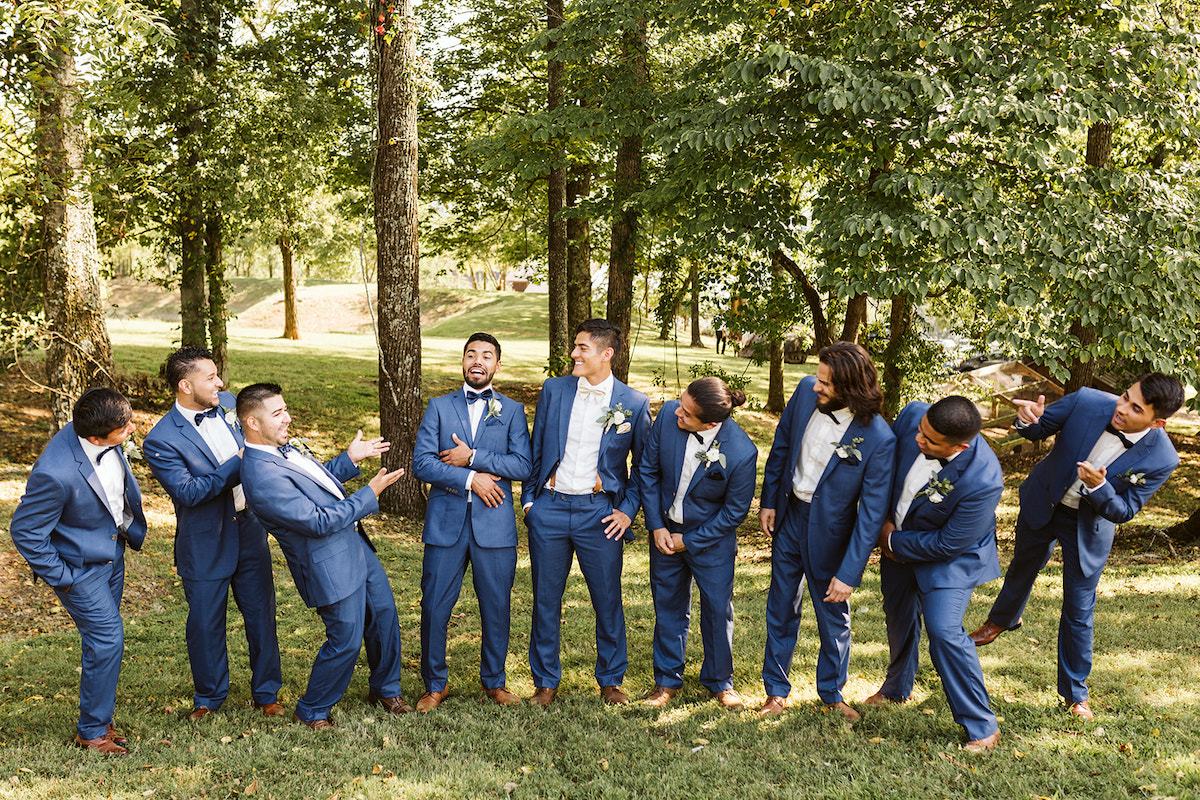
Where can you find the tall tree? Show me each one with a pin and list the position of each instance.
(556, 200)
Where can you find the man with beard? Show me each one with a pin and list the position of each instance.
(471, 445)
(824, 499)
(195, 451)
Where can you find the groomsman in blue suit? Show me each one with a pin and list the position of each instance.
(938, 545)
(1110, 455)
(471, 445)
(195, 452)
(698, 477)
(81, 507)
(581, 498)
(824, 498)
(331, 559)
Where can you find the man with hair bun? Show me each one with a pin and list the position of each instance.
(698, 477)
(938, 545)
(824, 499)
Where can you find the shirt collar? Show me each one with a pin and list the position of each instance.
(467, 388)
(266, 448)
(710, 434)
(605, 385)
(91, 450)
(1134, 438)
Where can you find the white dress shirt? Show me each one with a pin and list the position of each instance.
(216, 434)
(580, 463)
(312, 468)
(1107, 449)
(474, 415)
(920, 473)
(111, 472)
(821, 436)
(691, 461)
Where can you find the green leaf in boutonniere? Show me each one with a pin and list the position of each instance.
(131, 450)
(937, 489)
(1133, 478)
(712, 455)
(231, 418)
(613, 415)
(302, 446)
(849, 452)
(494, 409)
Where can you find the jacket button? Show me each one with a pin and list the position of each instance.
(114, 536)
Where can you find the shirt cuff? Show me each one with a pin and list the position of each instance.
(889, 540)
(471, 460)
(470, 479)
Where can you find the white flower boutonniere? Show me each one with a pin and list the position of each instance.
(712, 455)
(937, 489)
(494, 409)
(131, 450)
(615, 415)
(1133, 478)
(231, 418)
(302, 446)
(849, 452)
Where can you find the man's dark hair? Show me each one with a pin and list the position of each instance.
(854, 378)
(603, 333)
(482, 337)
(715, 399)
(251, 398)
(956, 418)
(182, 362)
(1163, 392)
(100, 411)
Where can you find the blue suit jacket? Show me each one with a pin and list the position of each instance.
(717, 498)
(950, 544)
(206, 531)
(501, 448)
(849, 505)
(550, 423)
(317, 532)
(63, 523)
(1079, 419)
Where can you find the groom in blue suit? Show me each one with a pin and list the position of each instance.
(1110, 455)
(938, 545)
(824, 498)
(471, 445)
(81, 507)
(195, 452)
(303, 504)
(580, 499)
(698, 477)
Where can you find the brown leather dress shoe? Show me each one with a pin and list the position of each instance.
(114, 737)
(980, 745)
(394, 705)
(730, 699)
(102, 745)
(880, 699)
(988, 631)
(1082, 710)
(614, 696)
(773, 707)
(659, 697)
(431, 700)
(502, 696)
(199, 713)
(845, 710)
(271, 709)
(542, 696)
(314, 724)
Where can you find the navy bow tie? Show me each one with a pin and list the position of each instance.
(942, 461)
(486, 394)
(200, 415)
(287, 448)
(1110, 429)
(105, 452)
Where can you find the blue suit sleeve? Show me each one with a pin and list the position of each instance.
(343, 468)
(32, 523)
(537, 447)
(873, 504)
(633, 488)
(739, 492)
(1052, 420)
(169, 466)
(779, 461)
(650, 475)
(1119, 507)
(513, 465)
(971, 518)
(427, 465)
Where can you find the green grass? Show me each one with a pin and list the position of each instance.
(1145, 687)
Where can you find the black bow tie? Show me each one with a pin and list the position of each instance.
(699, 438)
(212, 412)
(942, 461)
(486, 394)
(829, 413)
(105, 452)
(1110, 429)
(287, 448)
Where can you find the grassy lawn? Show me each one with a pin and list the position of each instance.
(1145, 687)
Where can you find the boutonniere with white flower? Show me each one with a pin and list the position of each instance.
(1133, 478)
(131, 450)
(849, 452)
(937, 489)
(494, 408)
(231, 418)
(302, 446)
(712, 455)
(615, 415)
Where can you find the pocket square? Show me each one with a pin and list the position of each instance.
(624, 427)
(714, 475)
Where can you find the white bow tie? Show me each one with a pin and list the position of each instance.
(591, 391)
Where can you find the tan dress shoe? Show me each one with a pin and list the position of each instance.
(114, 737)
(659, 697)
(845, 710)
(431, 700)
(102, 745)
(394, 705)
(773, 707)
(980, 745)
(730, 699)
(272, 709)
(199, 713)
(314, 724)
(543, 696)
(881, 699)
(1082, 710)
(988, 631)
(614, 696)
(502, 696)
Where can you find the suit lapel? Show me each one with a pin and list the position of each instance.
(192, 433)
(1095, 429)
(300, 471)
(951, 472)
(1134, 455)
(458, 401)
(620, 394)
(853, 429)
(87, 471)
(720, 439)
(565, 402)
(677, 448)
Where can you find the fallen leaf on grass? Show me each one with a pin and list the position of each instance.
(699, 741)
(376, 769)
(525, 770)
(929, 711)
(1149, 787)
(604, 764)
(253, 787)
(876, 739)
(508, 787)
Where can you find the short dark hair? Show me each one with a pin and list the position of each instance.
(99, 411)
(715, 398)
(854, 378)
(956, 418)
(483, 337)
(603, 332)
(182, 362)
(251, 398)
(1163, 392)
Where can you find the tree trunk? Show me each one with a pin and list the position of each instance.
(856, 315)
(900, 328)
(694, 279)
(775, 394)
(218, 306)
(1188, 531)
(1099, 155)
(193, 310)
(79, 353)
(579, 252)
(291, 325)
(822, 335)
(398, 255)
(556, 200)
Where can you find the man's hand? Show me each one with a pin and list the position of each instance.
(884, 533)
(485, 486)
(360, 450)
(662, 540)
(384, 479)
(1029, 412)
(1090, 475)
(766, 522)
(457, 456)
(838, 592)
(618, 523)
(677, 541)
